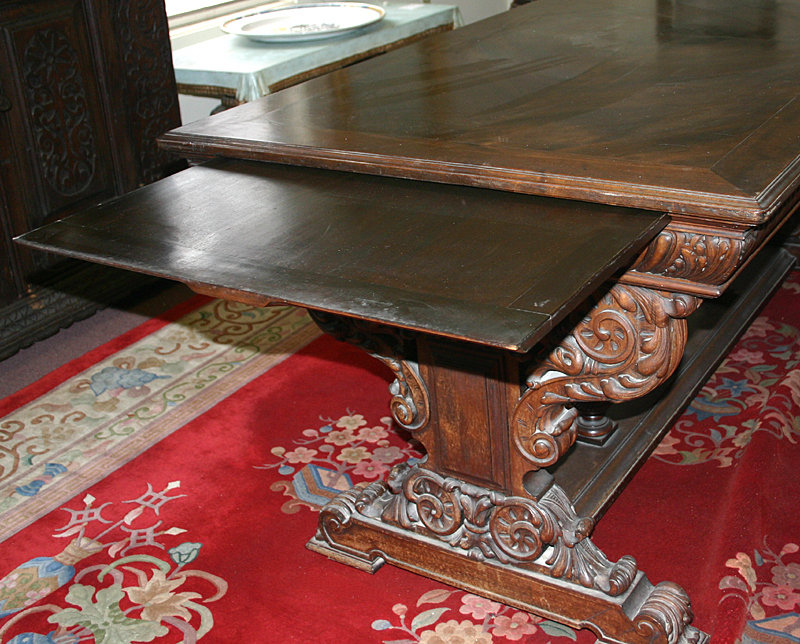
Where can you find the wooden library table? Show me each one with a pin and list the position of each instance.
(503, 147)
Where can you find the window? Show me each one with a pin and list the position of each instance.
(188, 12)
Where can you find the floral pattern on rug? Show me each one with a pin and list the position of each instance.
(461, 618)
(755, 389)
(140, 588)
(768, 582)
(783, 629)
(330, 459)
(51, 447)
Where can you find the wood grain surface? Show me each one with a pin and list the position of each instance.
(492, 267)
(680, 106)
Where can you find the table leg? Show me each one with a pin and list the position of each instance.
(481, 512)
(593, 426)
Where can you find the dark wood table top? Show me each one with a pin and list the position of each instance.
(683, 106)
(487, 266)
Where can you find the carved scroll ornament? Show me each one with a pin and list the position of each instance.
(630, 342)
(545, 535)
(665, 614)
(59, 109)
(410, 406)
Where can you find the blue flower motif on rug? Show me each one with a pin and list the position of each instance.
(36, 638)
(112, 378)
(51, 470)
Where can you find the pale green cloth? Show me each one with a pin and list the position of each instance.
(250, 68)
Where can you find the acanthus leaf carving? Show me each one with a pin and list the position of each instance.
(697, 255)
(630, 342)
(546, 536)
(544, 540)
(666, 613)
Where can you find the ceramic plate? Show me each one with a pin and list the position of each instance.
(304, 21)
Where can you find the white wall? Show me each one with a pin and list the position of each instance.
(473, 10)
(195, 107)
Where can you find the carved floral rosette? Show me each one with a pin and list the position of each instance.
(630, 342)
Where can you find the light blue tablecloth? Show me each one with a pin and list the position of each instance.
(251, 68)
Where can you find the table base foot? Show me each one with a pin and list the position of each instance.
(534, 555)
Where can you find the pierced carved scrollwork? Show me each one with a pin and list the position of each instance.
(630, 342)
(59, 108)
(545, 536)
(410, 404)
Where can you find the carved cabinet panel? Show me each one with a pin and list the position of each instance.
(57, 151)
(86, 87)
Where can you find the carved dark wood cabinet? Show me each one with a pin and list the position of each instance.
(86, 86)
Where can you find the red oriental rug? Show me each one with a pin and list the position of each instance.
(162, 489)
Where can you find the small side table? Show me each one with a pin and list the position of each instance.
(236, 70)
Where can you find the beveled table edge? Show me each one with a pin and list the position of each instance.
(675, 201)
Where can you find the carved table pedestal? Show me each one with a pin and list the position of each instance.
(481, 511)
(487, 510)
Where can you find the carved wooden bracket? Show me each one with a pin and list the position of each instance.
(630, 342)
(410, 405)
(464, 515)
